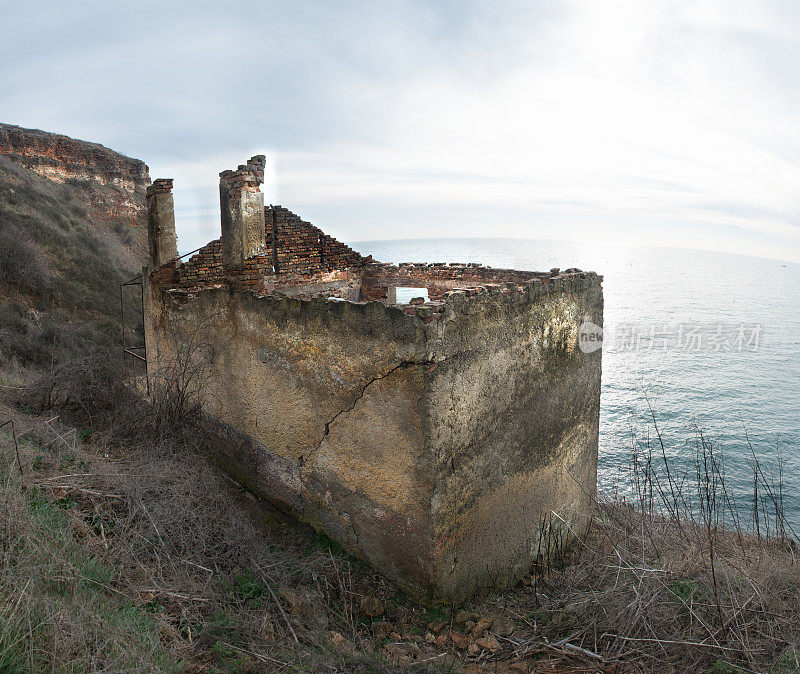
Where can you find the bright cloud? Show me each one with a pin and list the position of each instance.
(670, 122)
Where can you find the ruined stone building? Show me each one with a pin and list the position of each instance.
(449, 441)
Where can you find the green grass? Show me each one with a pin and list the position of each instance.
(788, 661)
(322, 541)
(684, 589)
(248, 588)
(51, 583)
(13, 656)
(439, 613)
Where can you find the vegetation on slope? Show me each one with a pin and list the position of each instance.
(59, 274)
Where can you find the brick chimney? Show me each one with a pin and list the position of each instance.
(242, 208)
(161, 236)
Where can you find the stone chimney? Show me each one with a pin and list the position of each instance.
(242, 207)
(161, 236)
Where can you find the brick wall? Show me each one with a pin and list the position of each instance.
(246, 178)
(440, 278)
(302, 261)
(296, 253)
(300, 247)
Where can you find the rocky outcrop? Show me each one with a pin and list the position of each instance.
(114, 185)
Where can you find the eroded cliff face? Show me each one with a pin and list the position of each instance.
(114, 185)
(73, 224)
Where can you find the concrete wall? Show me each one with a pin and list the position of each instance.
(320, 405)
(241, 205)
(161, 238)
(513, 418)
(432, 445)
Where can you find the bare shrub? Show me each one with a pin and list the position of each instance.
(101, 391)
(178, 388)
(671, 578)
(21, 263)
(92, 392)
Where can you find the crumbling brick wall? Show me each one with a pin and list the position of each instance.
(203, 269)
(295, 252)
(440, 278)
(301, 248)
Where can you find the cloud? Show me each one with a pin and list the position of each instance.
(667, 122)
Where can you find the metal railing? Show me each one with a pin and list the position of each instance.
(140, 351)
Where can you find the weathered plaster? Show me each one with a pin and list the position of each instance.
(446, 444)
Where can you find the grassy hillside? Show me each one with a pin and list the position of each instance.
(59, 273)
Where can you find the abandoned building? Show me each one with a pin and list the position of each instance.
(450, 440)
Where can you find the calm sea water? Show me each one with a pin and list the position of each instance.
(711, 340)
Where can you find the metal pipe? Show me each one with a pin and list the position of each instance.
(122, 316)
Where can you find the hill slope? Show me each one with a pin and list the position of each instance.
(72, 226)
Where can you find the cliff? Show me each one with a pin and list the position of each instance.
(73, 225)
(114, 185)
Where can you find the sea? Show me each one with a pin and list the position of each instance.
(695, 342)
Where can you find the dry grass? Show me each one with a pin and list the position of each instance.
(643, 594)
(59, 270)
(22, 263)
(133, 554)
(124, 550)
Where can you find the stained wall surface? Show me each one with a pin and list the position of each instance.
(448, 442)
(434, 444)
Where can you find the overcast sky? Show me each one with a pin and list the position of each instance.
(658, 122)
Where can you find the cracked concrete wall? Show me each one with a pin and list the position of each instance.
(321, 408)
(437, 450)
